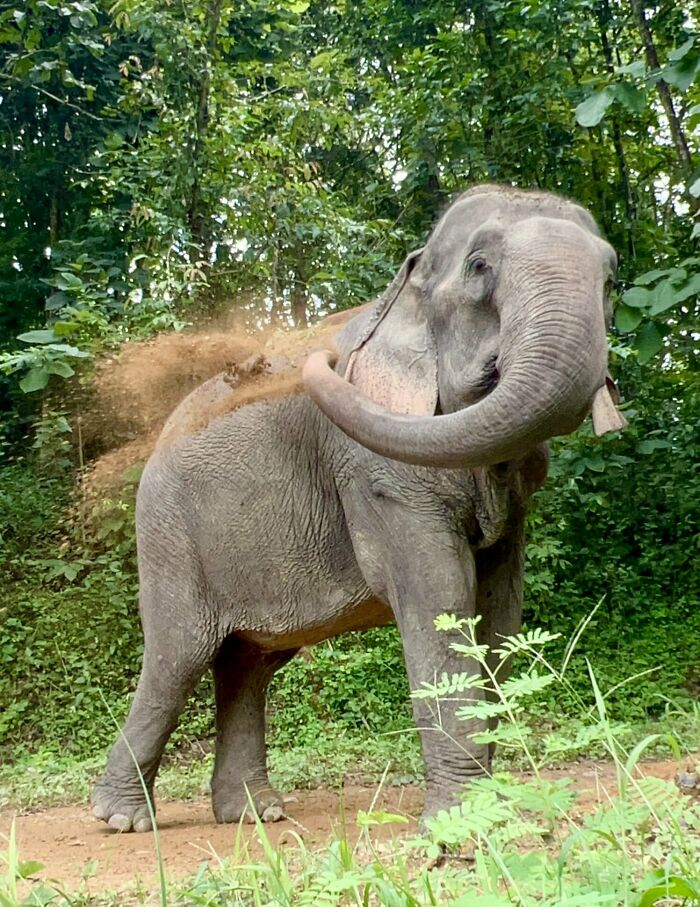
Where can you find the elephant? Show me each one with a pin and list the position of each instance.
(393, 489)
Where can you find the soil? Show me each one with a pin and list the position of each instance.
(76, 849)
(178, 383)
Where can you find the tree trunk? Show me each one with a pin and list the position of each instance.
(196, 215)
(299, 297)
(678, 137)
(604, 16)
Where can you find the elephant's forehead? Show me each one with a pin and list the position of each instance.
(502, 209)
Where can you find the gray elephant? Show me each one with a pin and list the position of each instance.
(395, 489)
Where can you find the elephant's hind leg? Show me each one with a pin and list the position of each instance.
(241, 673)
(176, 655)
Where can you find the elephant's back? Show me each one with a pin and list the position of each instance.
(224, 394)
(255, 496)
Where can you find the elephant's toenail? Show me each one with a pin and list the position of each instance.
(119, 822)
(143, 824)
(273, 813)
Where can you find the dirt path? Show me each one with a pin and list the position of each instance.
(71, 844)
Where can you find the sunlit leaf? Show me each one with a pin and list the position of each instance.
(591, 111)
(36, 379)
(46, 336)
(627, 319)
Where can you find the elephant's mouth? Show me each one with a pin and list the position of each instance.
(478, 385)
(489, 376)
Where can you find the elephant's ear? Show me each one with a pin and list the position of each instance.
(393, 359)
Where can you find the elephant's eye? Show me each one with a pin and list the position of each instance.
(476, 266)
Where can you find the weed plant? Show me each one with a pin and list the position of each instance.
(511, 841)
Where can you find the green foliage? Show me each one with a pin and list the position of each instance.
(531, 841)
(357, 682)
(616, 521)
(40, 362)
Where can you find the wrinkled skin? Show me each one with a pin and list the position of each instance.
(272, 528)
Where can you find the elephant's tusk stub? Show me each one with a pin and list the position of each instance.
(605, 414)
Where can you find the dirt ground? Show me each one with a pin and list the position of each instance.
(76, 849)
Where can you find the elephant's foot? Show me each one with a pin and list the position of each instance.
(121, 810)
(439, 797)
(235, 803)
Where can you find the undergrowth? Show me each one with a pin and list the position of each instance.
(614, 527)
(511, 841)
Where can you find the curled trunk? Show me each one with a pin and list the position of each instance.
(549, 377)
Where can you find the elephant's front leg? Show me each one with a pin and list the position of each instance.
(435, 574)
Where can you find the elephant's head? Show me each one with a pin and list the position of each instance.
(490, 339)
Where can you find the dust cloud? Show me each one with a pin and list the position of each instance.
(154, 392)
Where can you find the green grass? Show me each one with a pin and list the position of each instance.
(510, 842)
(47, 778)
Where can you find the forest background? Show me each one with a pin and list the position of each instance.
(164, 164)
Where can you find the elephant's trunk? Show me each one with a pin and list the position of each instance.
(550, 370)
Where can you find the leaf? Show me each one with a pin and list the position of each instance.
(663, 298)
(65, 280)
(113, 141)
(649, 342)
(36, 379)
(691, 288)
(631, 98)
(682, 74)
(694, 189)
(525, 685)
(591, 111)
(449, 685)
(627, 319)
(56, 301)
(526, 641)
(449, 622)
(29, 868)
(47, 336)
(69, 350)
(364, 819)
(670, 887)
(636, 69)
(637, 297)
(681, 51)
(650, 445)
(58, 367)
(652, 276)
(322, 61)
(65, 328)
(482, 710)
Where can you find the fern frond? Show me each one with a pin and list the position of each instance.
(449, 685)
(472, 650)
(525, 642)
(525, 684)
